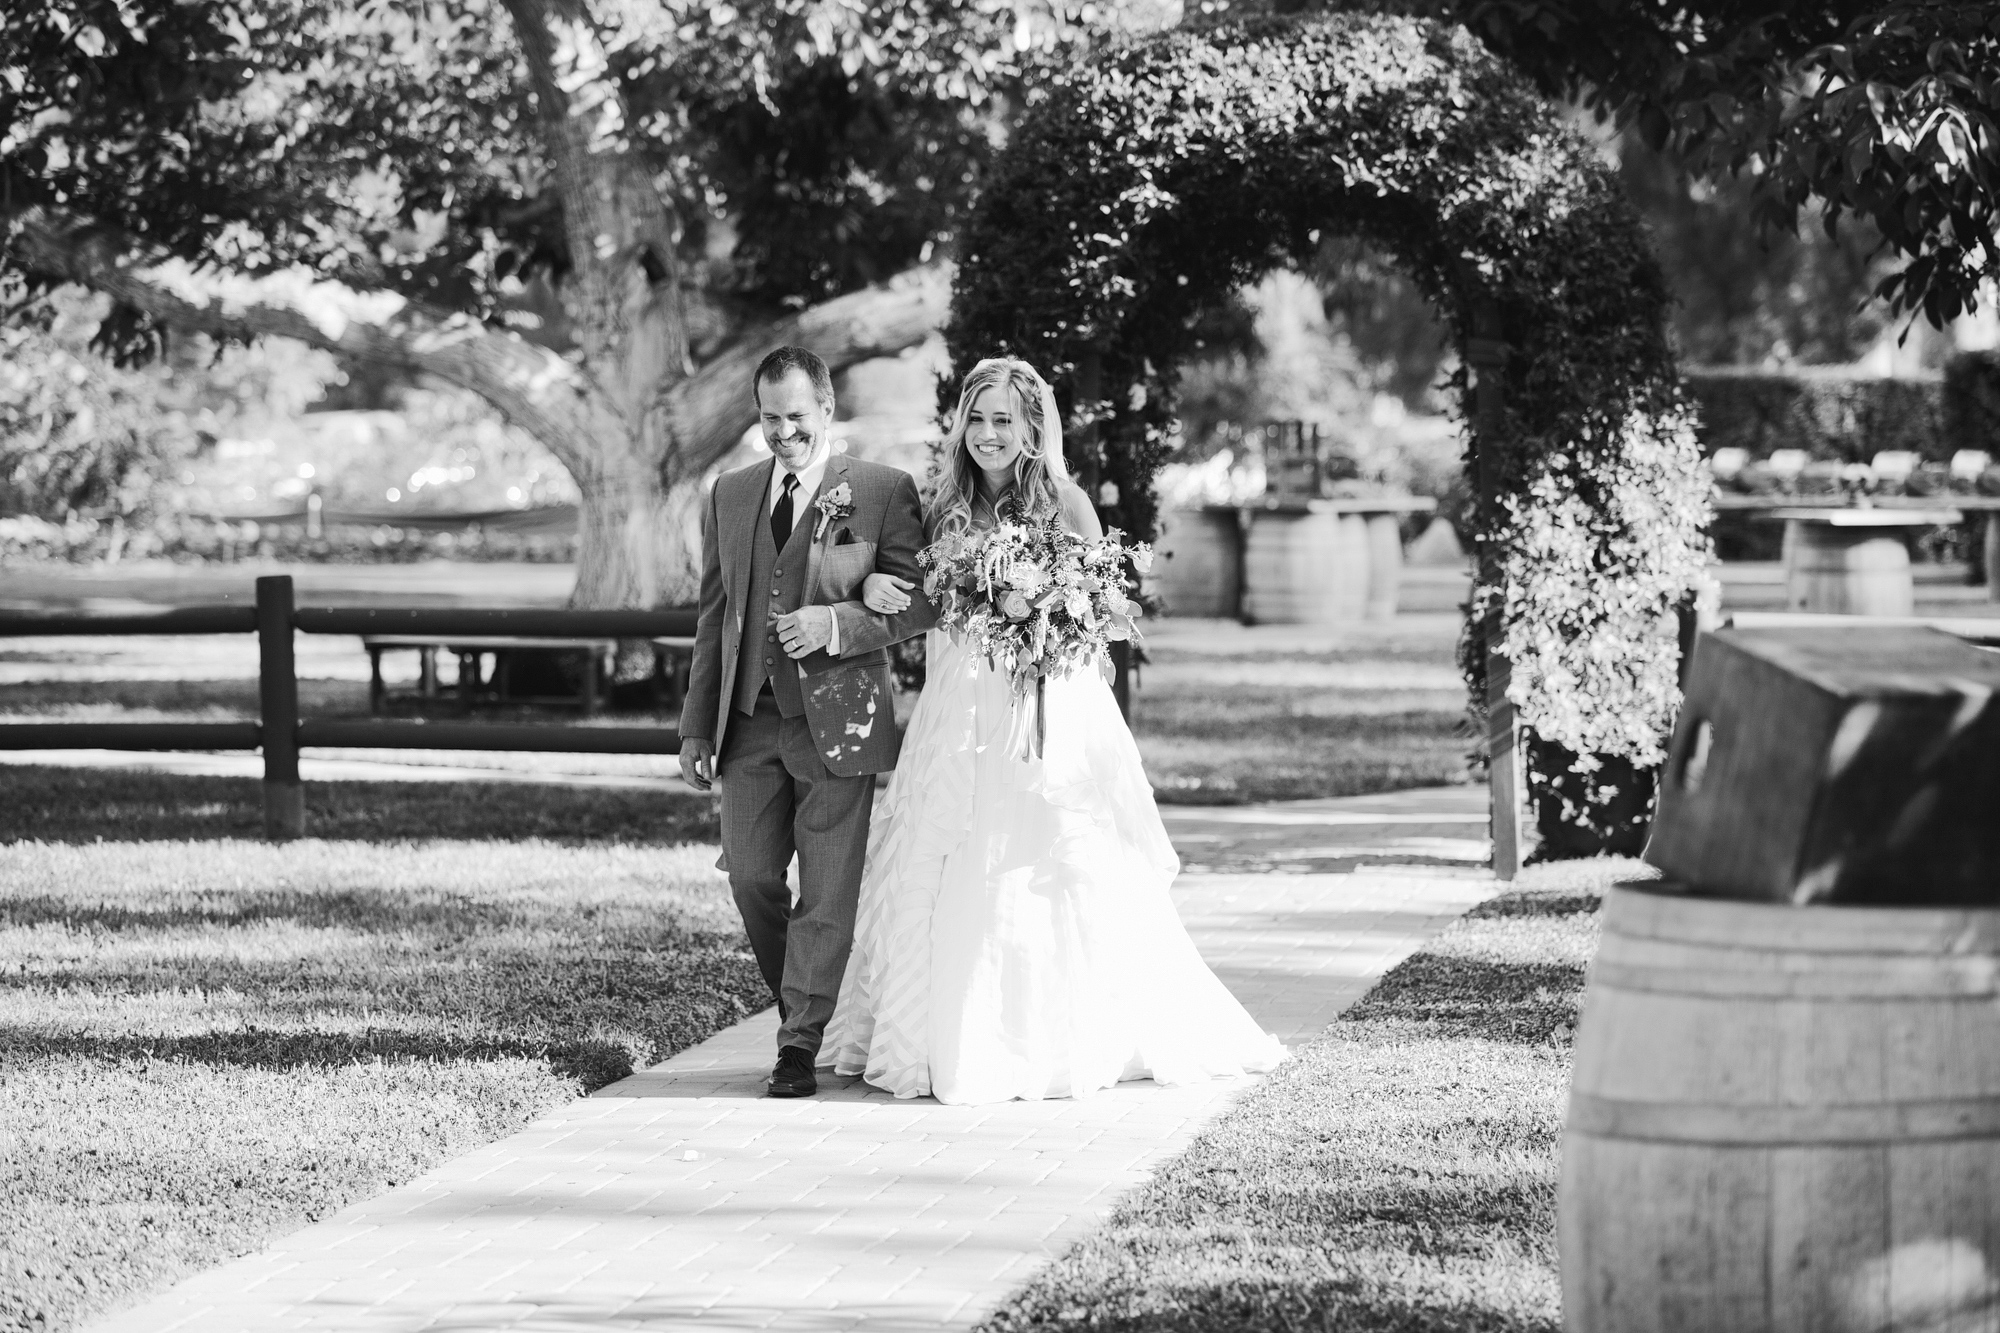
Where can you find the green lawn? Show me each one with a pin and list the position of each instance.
(1398, 1174)
(1226, 714)
(210, 1040)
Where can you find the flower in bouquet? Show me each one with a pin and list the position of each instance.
(1035, 599)
(1026, 577)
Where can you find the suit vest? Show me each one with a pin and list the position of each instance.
(777, 587)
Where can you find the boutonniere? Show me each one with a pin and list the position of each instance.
(833, 506)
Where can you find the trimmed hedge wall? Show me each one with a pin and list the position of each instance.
(1144, 186)
(1828, 411)
(1837, 415)
(1970, 418)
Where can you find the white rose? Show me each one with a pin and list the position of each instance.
(1028, 578)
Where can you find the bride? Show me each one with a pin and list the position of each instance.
(1014, 935)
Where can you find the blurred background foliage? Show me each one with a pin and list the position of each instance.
(814, 150)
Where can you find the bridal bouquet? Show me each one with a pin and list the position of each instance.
(1037, 600)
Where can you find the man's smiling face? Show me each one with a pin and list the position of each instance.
(795, 420)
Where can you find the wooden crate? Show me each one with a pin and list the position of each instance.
(1835, 765)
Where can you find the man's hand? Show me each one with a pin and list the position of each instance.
(806, 630)
(698, 762)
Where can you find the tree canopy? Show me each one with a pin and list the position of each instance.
(394, 144)
(1884, 110)
(598, 214)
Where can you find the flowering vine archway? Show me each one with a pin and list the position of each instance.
(1149, 184)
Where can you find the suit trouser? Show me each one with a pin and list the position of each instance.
(779, 797)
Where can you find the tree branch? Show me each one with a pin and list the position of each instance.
(537, 389)
(709, 411)
(625, 297)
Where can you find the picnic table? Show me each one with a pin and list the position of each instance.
(1908, 511)
(1853, 560)
(474, 685)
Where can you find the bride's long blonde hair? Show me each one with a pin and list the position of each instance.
(1034, 492)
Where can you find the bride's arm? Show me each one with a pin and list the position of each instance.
(1079, 514)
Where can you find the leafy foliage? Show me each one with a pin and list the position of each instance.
(1745, 295)
(77, 435)
(1883, 111)
(1971, 410)
(1141, 188)
(395, 143)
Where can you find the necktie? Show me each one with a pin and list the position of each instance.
(781, 513)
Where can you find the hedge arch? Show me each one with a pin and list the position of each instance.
(1149, 183)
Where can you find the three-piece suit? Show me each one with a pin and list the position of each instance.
(798, 743)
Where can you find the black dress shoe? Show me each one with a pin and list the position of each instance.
(794, 1075)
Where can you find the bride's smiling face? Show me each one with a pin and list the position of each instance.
(995, 430)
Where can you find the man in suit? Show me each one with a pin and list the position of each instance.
(788, 701)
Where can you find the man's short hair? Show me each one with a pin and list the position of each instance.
(786, 360)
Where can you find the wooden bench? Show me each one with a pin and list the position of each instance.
(672, 656)
(472, 680)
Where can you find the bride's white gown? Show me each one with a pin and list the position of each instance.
(1014, 937)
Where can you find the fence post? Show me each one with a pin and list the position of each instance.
(278, 693)
(1487, 354)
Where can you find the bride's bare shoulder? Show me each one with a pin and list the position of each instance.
(1079, 514)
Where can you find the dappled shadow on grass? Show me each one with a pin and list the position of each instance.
(376, 911)
(1457, 997)
(1530, 904)
(113, 805)
(1319, 1303)
(593, 1001)
(592, 1063)
(1534, 1003)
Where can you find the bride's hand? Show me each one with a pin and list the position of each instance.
(885, 593)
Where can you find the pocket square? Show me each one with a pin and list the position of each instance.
(845, 537)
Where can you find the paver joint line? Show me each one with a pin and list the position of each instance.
(851, 1210)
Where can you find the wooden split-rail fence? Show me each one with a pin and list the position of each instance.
(280, 733)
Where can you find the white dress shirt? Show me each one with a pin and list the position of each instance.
(802, 505)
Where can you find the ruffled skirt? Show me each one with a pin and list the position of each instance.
(1014, 937)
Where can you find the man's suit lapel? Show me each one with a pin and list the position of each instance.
(749, 509)
(836, 472)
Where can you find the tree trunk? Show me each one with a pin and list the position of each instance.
(639, 539)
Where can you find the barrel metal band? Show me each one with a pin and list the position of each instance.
(1939, 978)
(1784, 1126)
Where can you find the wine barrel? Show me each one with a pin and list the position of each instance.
(1305, 568)
(1990, 548)
(1854, 571)
(1784, 1118)
(1199, 569)
(1385, 564)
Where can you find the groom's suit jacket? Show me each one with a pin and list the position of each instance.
(846, 700)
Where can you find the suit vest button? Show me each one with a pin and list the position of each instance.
(778, 573)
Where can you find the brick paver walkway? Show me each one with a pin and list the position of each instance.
(682, 1199)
